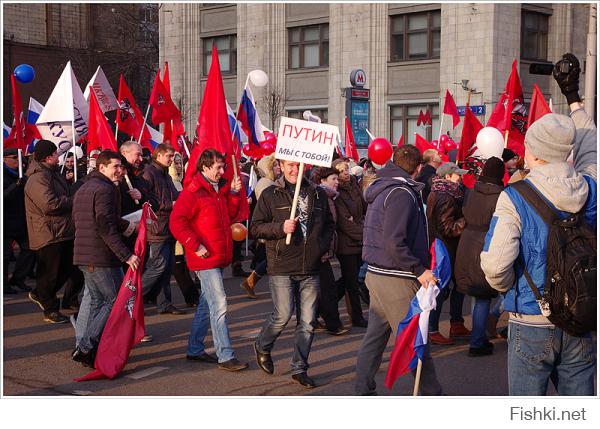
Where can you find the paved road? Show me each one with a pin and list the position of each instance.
(37, 357)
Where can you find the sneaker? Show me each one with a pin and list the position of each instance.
(33, 297)
(439, 339)
(337, 332)
(233, 365)
(55, 317)
(147, 338)
(486, 350)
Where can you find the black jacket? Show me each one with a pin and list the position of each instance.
(302, 256)
(351, 208)
(138, 182)
(98, 224)
(162, 187)
(13, 200)
(395, 235)
(478, 209)
(427, 172)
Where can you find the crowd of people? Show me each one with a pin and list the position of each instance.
(379, 223)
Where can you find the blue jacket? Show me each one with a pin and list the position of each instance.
(395, 232)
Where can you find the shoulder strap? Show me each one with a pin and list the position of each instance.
(543, 209)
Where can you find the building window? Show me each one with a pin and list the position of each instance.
(534, 36)
(404, 119)
(297, 114)
(308, 46)
(227, 50)
(415, 36)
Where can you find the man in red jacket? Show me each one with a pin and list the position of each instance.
(201, 221)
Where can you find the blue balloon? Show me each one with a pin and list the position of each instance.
(24, 73)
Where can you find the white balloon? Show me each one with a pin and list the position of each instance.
(258, 78)
(490, 143)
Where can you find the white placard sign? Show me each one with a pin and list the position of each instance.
(307, 142)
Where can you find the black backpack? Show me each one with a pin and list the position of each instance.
(570, 292)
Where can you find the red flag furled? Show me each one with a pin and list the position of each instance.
(451, 109)
(400, 141)
(471, 127)
(20, 133)
(129, 116)
(510, 113)
(125, 325)
(100, 135)
(351, 151)
(163, 108)
(538, 106)
(173, 132)
(422, 144)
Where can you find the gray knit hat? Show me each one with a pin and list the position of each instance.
(550, 138)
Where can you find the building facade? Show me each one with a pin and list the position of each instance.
(410, 52)
(122, 38)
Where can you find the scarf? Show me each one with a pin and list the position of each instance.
(441, 185)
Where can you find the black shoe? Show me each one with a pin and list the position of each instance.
(486, 350)
(33, 297)
(264, 360)
(9, 290)
(363, 323)
(320, 327)
(171, 309)
(338, 331)
(304, 380)
(85, 358)
(55, 317)
(204, 357)
(233, 365)
(19, 284)
(238, 271)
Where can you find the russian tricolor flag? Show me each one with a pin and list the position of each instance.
(5, 131)
(248, 117)
(239, 136)
(155, 137)
(412, 334)
(33, 113)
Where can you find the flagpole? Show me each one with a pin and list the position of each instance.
(441, 125)
(144, 124)
(130, 186)
(20, 155)
(235, 127)
(288, 239)
(116, 129)
(184, 144)
(74, 152)
(369, 133)
(418, 378)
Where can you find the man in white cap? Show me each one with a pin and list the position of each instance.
(515, 254)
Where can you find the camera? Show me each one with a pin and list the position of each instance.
(564, 66)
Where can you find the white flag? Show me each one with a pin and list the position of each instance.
(65, 107)
(103, 91)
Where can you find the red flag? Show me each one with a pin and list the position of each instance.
(471, 127)
(125, 325)
(213, 131)
(129, 116)
(351, 151)
(100, 135)
(422, 144)
(450, 109)
(400, 141)
(173, 131)
(166, 80)
(510, 113)
(18, 136)
(538, 106)
(163, 108)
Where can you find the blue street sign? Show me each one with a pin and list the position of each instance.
(477, 110)
(359, 121)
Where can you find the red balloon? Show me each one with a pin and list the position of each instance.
(238, 232)
(270, 137)
(443, 139)
(380, 150)
(450, 145)
(435, 143)
(267, 147)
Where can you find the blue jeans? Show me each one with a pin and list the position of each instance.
(456, 307)
(537, 355)
(289, 294)
(481, 312)
(103, 284)
(212, 306)
(158, 268)
(83, 316)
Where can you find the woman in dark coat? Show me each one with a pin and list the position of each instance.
(478, 209)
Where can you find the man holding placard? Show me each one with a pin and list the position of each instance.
(293, 217)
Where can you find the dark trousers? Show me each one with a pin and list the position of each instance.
(350, 266)
(184, 281)
(328, 301)
(25, 260)
(73, 286)
(55, 267)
